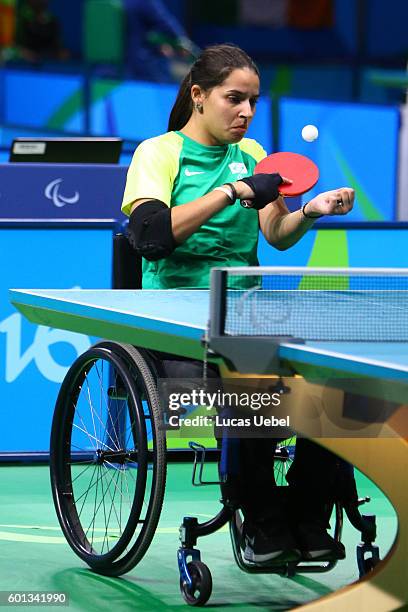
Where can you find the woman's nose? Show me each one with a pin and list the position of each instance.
(246, 109)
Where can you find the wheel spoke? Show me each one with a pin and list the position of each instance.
(96, 510)
(107, 404)
(91, 437)
(101, 423)
(83, 471)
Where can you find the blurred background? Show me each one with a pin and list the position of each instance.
(111, 68)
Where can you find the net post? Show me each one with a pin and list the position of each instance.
(218, 300)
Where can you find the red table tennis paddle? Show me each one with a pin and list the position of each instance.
(300, 169)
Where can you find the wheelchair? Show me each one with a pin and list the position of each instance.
(108, 474)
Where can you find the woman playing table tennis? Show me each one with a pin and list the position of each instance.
(183, 195)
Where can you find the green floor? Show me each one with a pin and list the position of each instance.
(35, 556)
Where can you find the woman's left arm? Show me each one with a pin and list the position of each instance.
(283, 229)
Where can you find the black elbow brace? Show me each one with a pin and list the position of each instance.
(149, 230)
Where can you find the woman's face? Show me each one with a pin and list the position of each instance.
(228, 109)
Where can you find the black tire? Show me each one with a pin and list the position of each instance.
(106, 410)
(201, 590)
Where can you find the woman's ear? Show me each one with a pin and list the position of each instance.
(197, 97)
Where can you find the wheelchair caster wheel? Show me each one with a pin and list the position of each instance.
(200, 591)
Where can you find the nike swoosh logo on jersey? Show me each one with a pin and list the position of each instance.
(188, 172)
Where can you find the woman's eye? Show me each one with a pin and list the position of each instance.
(238, 100)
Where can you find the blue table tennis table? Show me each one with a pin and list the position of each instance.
(295, 337)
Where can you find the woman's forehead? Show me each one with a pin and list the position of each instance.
(242, 79)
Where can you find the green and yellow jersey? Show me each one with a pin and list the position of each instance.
(176, 169)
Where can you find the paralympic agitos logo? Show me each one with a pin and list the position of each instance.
(52, 192)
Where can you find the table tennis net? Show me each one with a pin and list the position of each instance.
(320, 305)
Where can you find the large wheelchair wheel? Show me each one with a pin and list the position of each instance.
(108, 457)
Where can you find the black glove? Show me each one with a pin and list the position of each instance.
(265, 188)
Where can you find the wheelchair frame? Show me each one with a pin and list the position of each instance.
(132, 404)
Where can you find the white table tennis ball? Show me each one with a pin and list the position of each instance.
(310, 133)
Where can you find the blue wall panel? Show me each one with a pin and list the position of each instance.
(357, 147)
(342, 247)
(49, 101)
(34, 359)
(135, 111)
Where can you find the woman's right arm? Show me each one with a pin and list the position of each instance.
(158, 229)
(150, 179)
(188, 218)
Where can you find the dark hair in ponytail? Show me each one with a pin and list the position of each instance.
(214, 65)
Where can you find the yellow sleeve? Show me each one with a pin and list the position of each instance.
(152, 171)
(253, 148)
